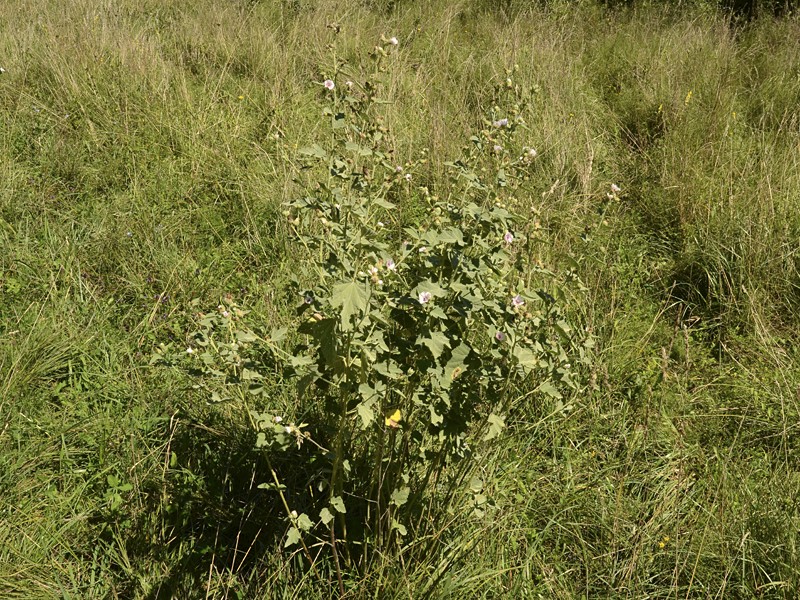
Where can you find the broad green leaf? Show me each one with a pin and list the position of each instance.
(548, 388)
(246, 336)
(436, 343)
(400, 496)
(292, 537)
(366, 413)
(360, 150)
(325, 516)
(456, 365)
(338, 504)
(304, 523)
(278, 334)
(352, 298)
(313, 150)
(526, 359)
(496, 426)
(399, 527)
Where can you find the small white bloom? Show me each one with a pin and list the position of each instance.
(393, 41)
(498, 148)
(391, 265)
(373, 270)
(380, 281)
(423, 249)
(398, 169)
(348, 83)
(190, 350)
(294, 514)
(500, 123)
(226, 314)
(277, 419)
(329, 85)
(615, 188)
(425, 297)
(532, 153)
(288, 429)
(381, 225)
(2, 70)
(517, 301)
(408, 176)
(508, 238)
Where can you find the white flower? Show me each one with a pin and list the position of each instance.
(381, 225)
(380, 281)
(390, 265)
(498, 148)
(373, 270)
(398, 169)
(329, 85)
(425, 297)
(2, 70)
(348, 83)
(500, 123)
(288, 429)
(277, 419)
(517, 301)
(393, 41)
(423, 249)
(532, 153)
(508, 238)
(408, 176)
(190, 350)
(615, 188)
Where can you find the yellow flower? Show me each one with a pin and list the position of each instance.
(394, 419)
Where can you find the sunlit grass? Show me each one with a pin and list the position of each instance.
(145, 153)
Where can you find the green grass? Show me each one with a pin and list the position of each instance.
(141, 181)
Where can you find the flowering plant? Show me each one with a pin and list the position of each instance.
(417, 341)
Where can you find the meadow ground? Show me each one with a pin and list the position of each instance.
(147, 149)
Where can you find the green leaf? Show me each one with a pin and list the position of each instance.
(400, 497)
(526, 359)
(352, 298)
(456, 365)
(366, 413)
(360, 150)
(278, 334)
(292, 537)
(325, 516)
(496, 426)
(338, 504)
(436, 343)
(304, 523)
(549, 389)
(313, 150)
(399, 528)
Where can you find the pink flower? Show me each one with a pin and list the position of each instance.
(329, 85)
(500, 336)
(517, 301)
(425, 297)
(391, 265)
(508, 238)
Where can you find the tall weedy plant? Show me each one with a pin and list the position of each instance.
(417, 339)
